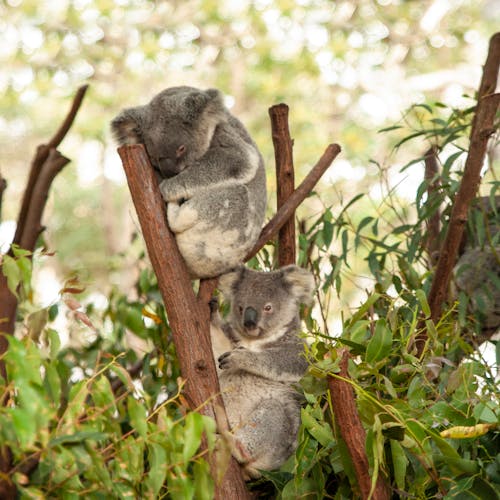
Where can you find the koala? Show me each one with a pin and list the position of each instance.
(260, 355)
(477, 273)
(211, 171)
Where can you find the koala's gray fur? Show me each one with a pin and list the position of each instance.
(477, 273)
(260, 355)
(213, 174)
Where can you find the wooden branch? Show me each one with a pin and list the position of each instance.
(481, 130)
(489, 78)
(188, 316)
(433, 223)
(276, 223)
(54, 163)
(283, 154)
(352, 431)
(41, 156)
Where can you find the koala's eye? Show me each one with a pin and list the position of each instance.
(180, 151)
(268, 308)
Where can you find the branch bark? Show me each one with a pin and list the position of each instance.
(189, 317)
(285, 180)
(41, 156)
(295, 199)
(481, 130)
(352, 431)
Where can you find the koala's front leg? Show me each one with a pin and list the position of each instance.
(281, 365)
(174, 190)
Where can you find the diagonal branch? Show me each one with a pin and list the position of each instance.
(295, 199)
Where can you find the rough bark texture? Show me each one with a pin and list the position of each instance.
(285, 180)
(188, 316)
(433, 224)
(352, 431)
(481, 130)
(295, 199)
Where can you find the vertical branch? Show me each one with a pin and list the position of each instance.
(433, 223)
(283, 154)
(188, 316)
(352, 431)
(481, 130)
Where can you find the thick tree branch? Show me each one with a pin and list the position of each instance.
(481, 130)
(283, 154)
(295, 199)
(188, 316)
(352, 431)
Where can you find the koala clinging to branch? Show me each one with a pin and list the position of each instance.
(213, 176)
(260, 355)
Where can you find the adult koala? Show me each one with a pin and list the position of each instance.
(260, 356)
(213, 176)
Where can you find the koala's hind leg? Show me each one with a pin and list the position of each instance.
(268, 435)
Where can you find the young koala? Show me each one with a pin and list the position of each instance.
(259, 356)
(213, 176)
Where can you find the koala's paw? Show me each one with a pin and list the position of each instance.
(237, 358)
(173, 191)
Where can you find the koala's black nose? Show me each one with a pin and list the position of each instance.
(250, 317)
(168, 167)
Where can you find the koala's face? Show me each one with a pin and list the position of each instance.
(176, 127)
(264, 303)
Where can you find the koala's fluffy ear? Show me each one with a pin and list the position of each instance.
(229, 280)
(301, 283)
(126, 127)
(200, 101)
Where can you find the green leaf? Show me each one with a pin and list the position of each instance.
(399, 463)
(192, 435)
(203, 482)
(422, 299)
(138, 416)
(321, 431)
(380, 344)
(78, 437)
(24, 425)
(157, 458)
(11, 272)
(361, 312)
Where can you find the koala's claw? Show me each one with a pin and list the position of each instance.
(224, 361)
(213, 304)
